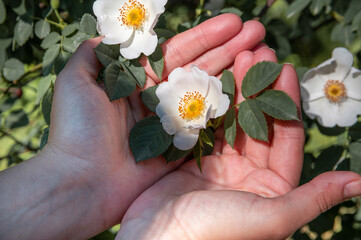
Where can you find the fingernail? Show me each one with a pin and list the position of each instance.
(352, 189)
(288, 63)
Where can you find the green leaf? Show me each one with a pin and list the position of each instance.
(13, 69)
(228, 85)
(61, 61)
(355, 131)
(117, 83)
(230, 127)
(156, 60)
(42, 28)
(197, 153)
(207, 141)
(43, 87)
(49, 58)
(79, 38)
(44, 138)
(232, 10)
(277, 104)
(2, 12)
(46, 106)
(107, 54)
(252, 120)
(7, 104)
(135, 70)
(148, 139)
(328, 159)
(149, 98)
(317, 5)
(50, 40)
(259, 77)
(342, 33)
(296, 7)
(16, 119)
(164, 33)
(69, 29)
(88, 25)
(68, 44)
(22, 32)
(301, 71)
(173, 154)
(355, 152)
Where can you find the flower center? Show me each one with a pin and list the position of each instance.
(133, 14)
(192, 106)
(335, 91)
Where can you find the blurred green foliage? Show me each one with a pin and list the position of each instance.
(37, 37)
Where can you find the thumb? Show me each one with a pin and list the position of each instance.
(305, 203)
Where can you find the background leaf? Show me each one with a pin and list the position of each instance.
(296, 7)
(277, 104)
(22, 32)
(17, 119)
(13, 69)
(88, 25)
(50, 40)
(42, 28)
(259, 77)
(2, 12)
(148, 139)
(252, 120)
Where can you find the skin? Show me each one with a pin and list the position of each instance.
(85, 180)
(249, 192)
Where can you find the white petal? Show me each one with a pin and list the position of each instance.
(168, 100)
(158, 6)
(108, 8)
(169, 125)
(222, 106)
(353, 84)
(323, 109)
(183, 81)
(185, 139)
(312, 86)
(347, 113)
(141, 42)
(113, 31)
(343, 57)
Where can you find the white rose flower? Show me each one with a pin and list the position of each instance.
(129, 23)
(331, 92)
(187, 101)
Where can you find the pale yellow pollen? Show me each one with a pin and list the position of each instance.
(133, 14)
(335, 91)
(192, 106)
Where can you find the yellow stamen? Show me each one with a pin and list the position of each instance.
(335, 91)
(133, 14)
(192, 106)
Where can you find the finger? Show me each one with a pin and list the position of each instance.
(314, 198)
(217, 59)
(286, 154)
(187, 46)
(83, 65)
(259, 46)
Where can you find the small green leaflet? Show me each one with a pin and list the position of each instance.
(230, 128)
(148, 139)
(107, 54)
(88, 25)
(252, 120)
(13, 69)
(149, 98)
(156, 60)
(173, 154)
(117, 83)
(259, 77)
(197, 154)
(135, 70)
(278, 105)
(22, 31)
(228, 85)
(50, 40)
(42, 28)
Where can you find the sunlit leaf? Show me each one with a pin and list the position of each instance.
(259, 77)
(228, 85)
(252, 120)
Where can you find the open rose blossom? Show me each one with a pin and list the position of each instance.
(331, 92)
(129, 23)
(187, 101)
